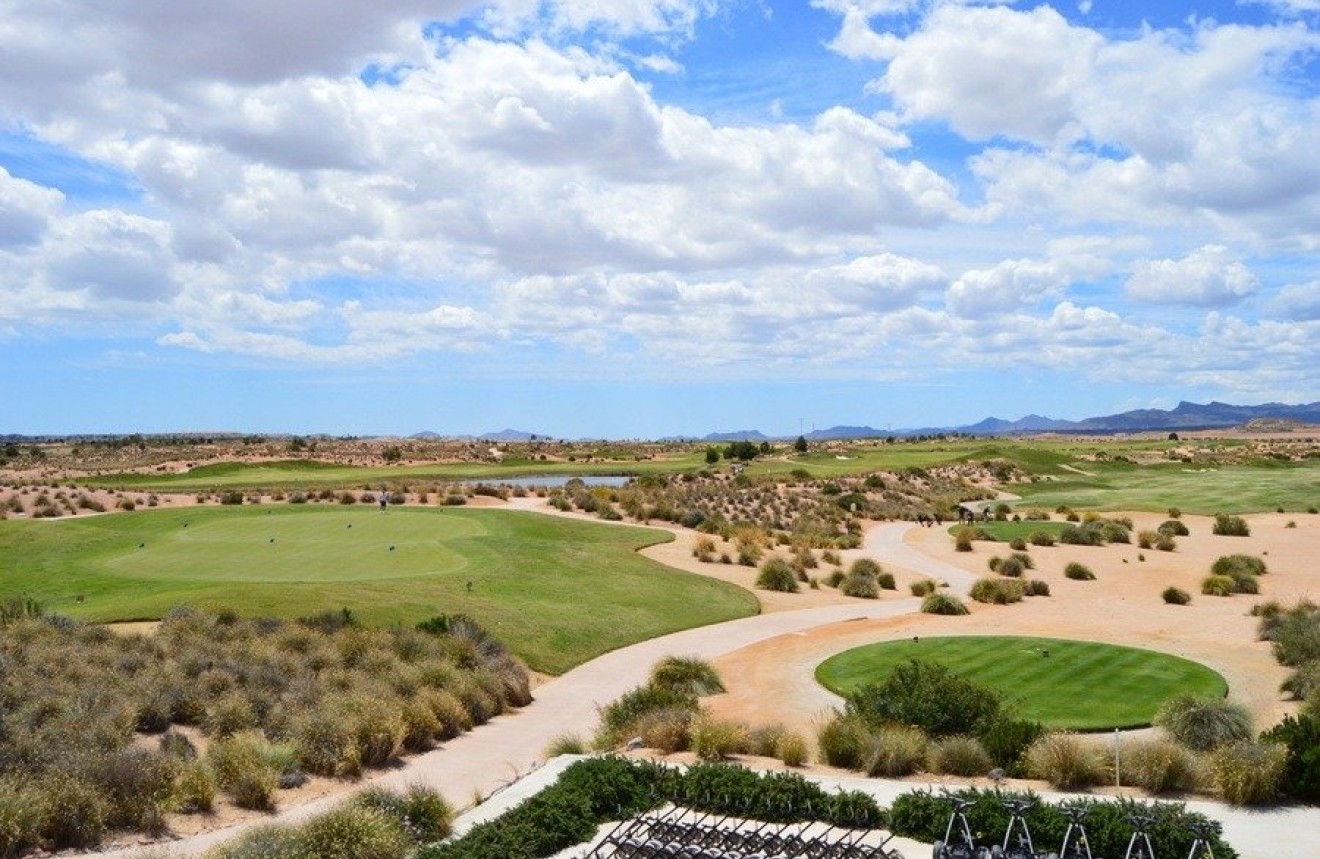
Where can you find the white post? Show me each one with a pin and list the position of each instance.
(1118, 781)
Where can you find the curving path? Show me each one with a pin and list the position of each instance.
(510, 746)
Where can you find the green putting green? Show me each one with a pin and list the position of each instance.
(558, 592)
(1078, 685)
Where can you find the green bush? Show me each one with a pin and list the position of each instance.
(792, 750)
(937, 603)
(1300, 736)
(894, 751)
(1204, 723)
(1040, 538)
(1248, 773)
(566, 744)
(886, 582)
(73, 812)
(926, 695)
(194, 792)
(1006, 739)
(1073, 535)
(860, 584)
(1235, 565)
(1218, 586)
(1078, 572)
(1066, 761)
(1176, 596)
(1294, 634)
(1230, 526)
(270, 841)
(689, 675)
(20, 817)
(922, 587)
(1011, 567)
(962, 756)
(777, 575)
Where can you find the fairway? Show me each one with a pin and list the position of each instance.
(557, 592)
(1079, 685)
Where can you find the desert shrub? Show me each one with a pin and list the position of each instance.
(1218, 586)
(843, 741)
(1078, 572)
(621, 714)
(835, 578)
(936, 603)
(689, 675)
(138, 785)
(1230, 526)
(1165, 543)
(860, 584)
(1294, 633)
(886, 582)
(1036, 588)
(325, 744)
(1076, 536)
(1176, 596)
(925, 695)
(1235, 565)
(896, 750)
(73, 812)
(1018, 544)
(777, 575)
(962, 540)
(1159, 765)
(1146, 539)
(232, 712)
(764, 740)
(420, 812)
(354, 831)
(1248, 773)
(1204, 723)
(922, 587)
(1040, 538)
(961, 755)
(243, 771)
(792, 750)
(1173, 528)
(1010, 567)
(565, 744)
(270, 841)
(20, 817)
(194, 792)
(716, 739)
(1066, 761)
(378, 729)
(1300, 736)
(997, 591)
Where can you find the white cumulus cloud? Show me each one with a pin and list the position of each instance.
(1207, 277)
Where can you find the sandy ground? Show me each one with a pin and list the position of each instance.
(773, 680)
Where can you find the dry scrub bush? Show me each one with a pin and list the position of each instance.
(963, 756)
(1078, 572)
(716, 739)
(1204, 723)
(1160, 765)
(997, 591)
(843, 741)
(1248, 773)
(937, 603)
(895, 751)
(1066, 761)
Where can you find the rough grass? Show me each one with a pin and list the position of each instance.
(556, 592)
(1079, 685)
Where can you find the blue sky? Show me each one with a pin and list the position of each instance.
(640, 218)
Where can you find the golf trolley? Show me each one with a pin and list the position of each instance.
(1022, 848)
(1075, 843)
(958, 842)
(1203, 830)
(1139, 844)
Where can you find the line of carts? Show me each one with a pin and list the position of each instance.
(677, 832)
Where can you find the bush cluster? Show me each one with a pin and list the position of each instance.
(277, 698)
(1230, 526)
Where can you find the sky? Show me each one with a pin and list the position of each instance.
(646, 218)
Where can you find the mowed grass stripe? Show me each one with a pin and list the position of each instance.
(558, 592)
(1079, 685)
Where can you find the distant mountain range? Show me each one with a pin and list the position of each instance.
(1185, 416)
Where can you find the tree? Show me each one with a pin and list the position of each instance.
(801, 444)
(392, 454)
(712, 456)
(744, 450)
(765, 447)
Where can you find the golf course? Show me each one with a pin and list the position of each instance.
(557, 592)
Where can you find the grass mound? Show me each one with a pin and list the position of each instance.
(1076, 685)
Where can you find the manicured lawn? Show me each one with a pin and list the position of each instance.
(1079, 685)
(308, 474)
(557, 592)
(1005, 531)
